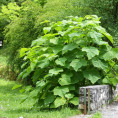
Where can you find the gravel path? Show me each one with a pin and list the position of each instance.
(110, 111)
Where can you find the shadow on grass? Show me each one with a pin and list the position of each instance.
(36, 110)
(20, 110)
(32, 111)
(7, 89)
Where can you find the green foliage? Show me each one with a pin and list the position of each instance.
(107, 10)
(65, 57)
(8, 11)
(92, 74)
(22, 22)
(11, 8)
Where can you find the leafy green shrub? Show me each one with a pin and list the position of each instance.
(72, 53)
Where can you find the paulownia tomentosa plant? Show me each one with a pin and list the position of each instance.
(71, 53)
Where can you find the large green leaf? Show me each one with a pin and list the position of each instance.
(95, 36)
(43, 64)
(34, 93)
(23, 51)
(103, 31)
(40, 83)
(52, 56)
(58, 28)
(32, 65)
(75, 34)
(75, 100)
(116, 68)
(80, 54)
(54, 40)
(100, 64)
(27, 72)
(69, 95)
(61, 61)
(59, 101)
(65, 79)
(92, 74)
(69, 47)
(22, 73)
(61, 91)
(113, 53)
(36, 75)
(106, 80)
(91, 51)
(24, 64)
(49, 98)
(46, 29)
(55, 71)
(57, 49)
(108, 36)
(78, 63)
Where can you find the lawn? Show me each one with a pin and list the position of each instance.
(10, 106)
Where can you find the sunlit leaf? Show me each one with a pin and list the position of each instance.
(92, 74)
(60, 91)
(55, 71)
(69, 47)
(74, 100)
(78, 63)
(59, 101)
(61, 61)
(91, 52)
(65, 79)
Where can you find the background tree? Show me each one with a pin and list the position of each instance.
(107, 10)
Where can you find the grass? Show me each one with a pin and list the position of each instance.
(10, 106)
(97, 115)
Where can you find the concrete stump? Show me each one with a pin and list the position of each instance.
(99, 95)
